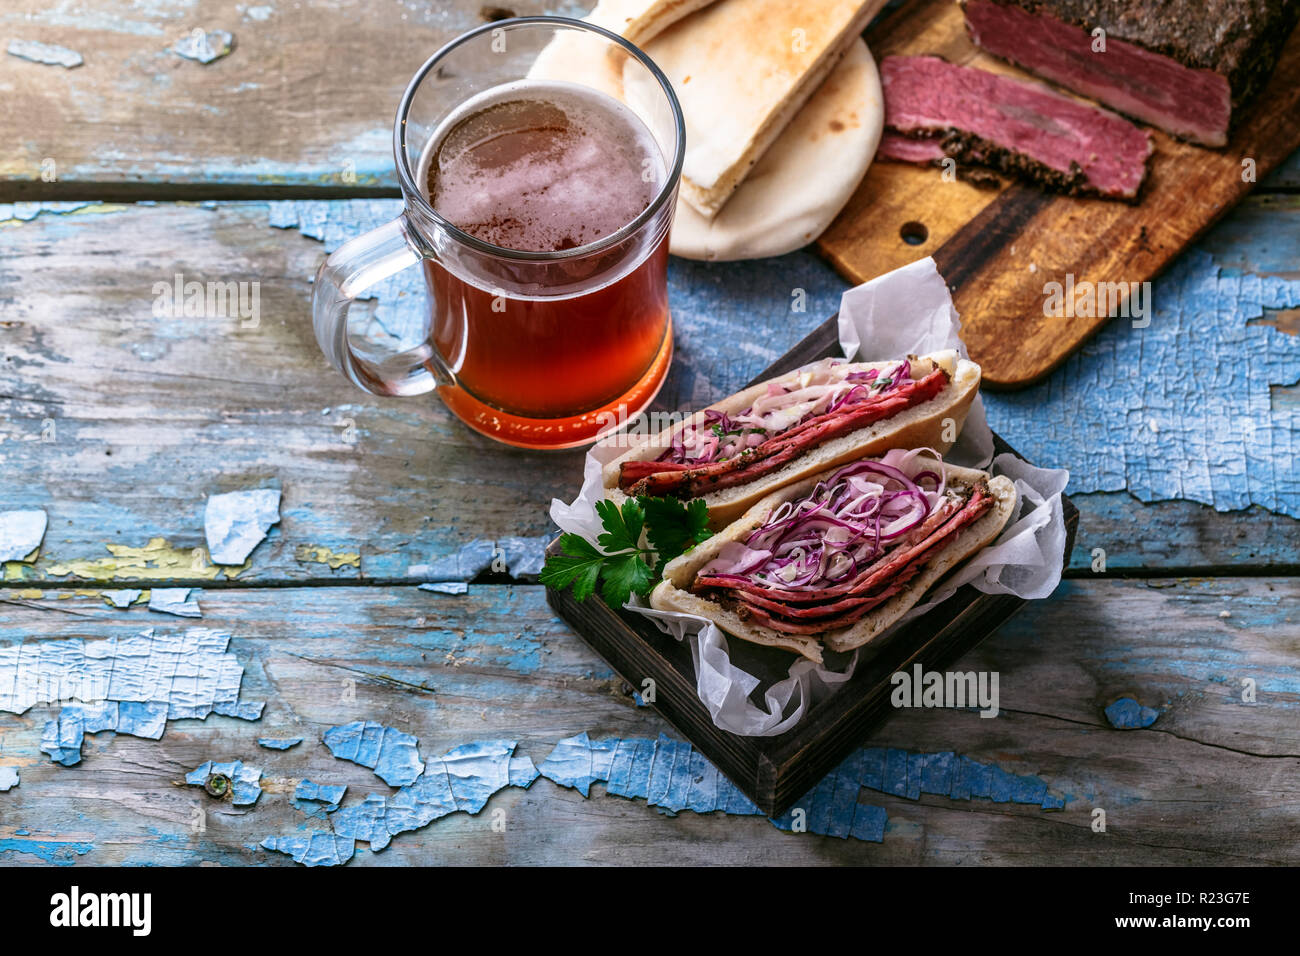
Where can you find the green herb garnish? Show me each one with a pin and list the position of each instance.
(622, 565)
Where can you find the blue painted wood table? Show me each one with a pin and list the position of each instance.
(1160, 684)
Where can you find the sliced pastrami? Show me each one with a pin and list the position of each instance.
(923, 151)
(947, 518)
(906, 149)
(1023, 129)
(630, 472)
(792, 612)
(656, 478)
(787, 626)
(753, 600)
(1186, 66)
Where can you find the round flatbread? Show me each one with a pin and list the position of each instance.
(803, 180)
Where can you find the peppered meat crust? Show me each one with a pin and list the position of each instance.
(1238, 39)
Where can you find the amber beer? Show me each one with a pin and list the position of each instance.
(548, 167)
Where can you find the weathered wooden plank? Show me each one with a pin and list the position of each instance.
(1139, 538)
(1212, 781)
(120, 422)
(1262, 235)
(303, 100)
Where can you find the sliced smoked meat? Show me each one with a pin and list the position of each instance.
(866, 579)
(815, 612)
(663, 478)
(1186, 66)
(910, 149)
(1023, 129)
(929, 152)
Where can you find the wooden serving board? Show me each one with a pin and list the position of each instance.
(775, 772)
(997, 247)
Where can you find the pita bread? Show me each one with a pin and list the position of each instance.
(674, 594)
(741, 70)
(803, 180)
(922, 426)
(639, 21)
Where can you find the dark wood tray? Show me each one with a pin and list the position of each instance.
(775, 772)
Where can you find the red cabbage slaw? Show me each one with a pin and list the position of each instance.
(820, 389)
(840, 528)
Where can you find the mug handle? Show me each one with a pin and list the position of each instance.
(348, 272)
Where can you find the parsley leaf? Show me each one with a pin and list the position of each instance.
(577, 567)
(673, 528)
(623, 575)
(621, 564)
(697, 517)
(622, 528)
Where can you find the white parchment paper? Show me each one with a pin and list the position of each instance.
(907, 311)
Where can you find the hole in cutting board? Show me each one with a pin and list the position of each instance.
(913, 233)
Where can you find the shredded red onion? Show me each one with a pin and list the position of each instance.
(843, 525)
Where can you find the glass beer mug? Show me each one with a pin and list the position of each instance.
(556, 147)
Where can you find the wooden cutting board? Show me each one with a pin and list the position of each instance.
(998, 247)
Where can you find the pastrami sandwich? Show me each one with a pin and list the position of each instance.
(786, 428)
(833, 560)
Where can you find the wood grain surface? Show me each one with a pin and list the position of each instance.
(120, 422)
(1212, 781)
(303, 103)
(998, 247)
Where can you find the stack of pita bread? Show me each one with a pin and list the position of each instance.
(783, 111)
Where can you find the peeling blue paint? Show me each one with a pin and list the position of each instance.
(64, 736)
(391, 754)
(27, 211)
(326, 793)
(462, 780)
(50, 54)
(205, 46)
(240, 709)
(236, 522)
(132, 685)
(463, 564)
(1180, 409)
(1128, 714)
(446, 587)
(245, 787)
(315, 848)
(8, 778)
(674, 776)
(122, 597)
(520, 557)
(21, 533)
(175, 601)
(278, 743)
(52, 852)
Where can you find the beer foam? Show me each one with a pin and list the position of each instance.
(543, 166)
